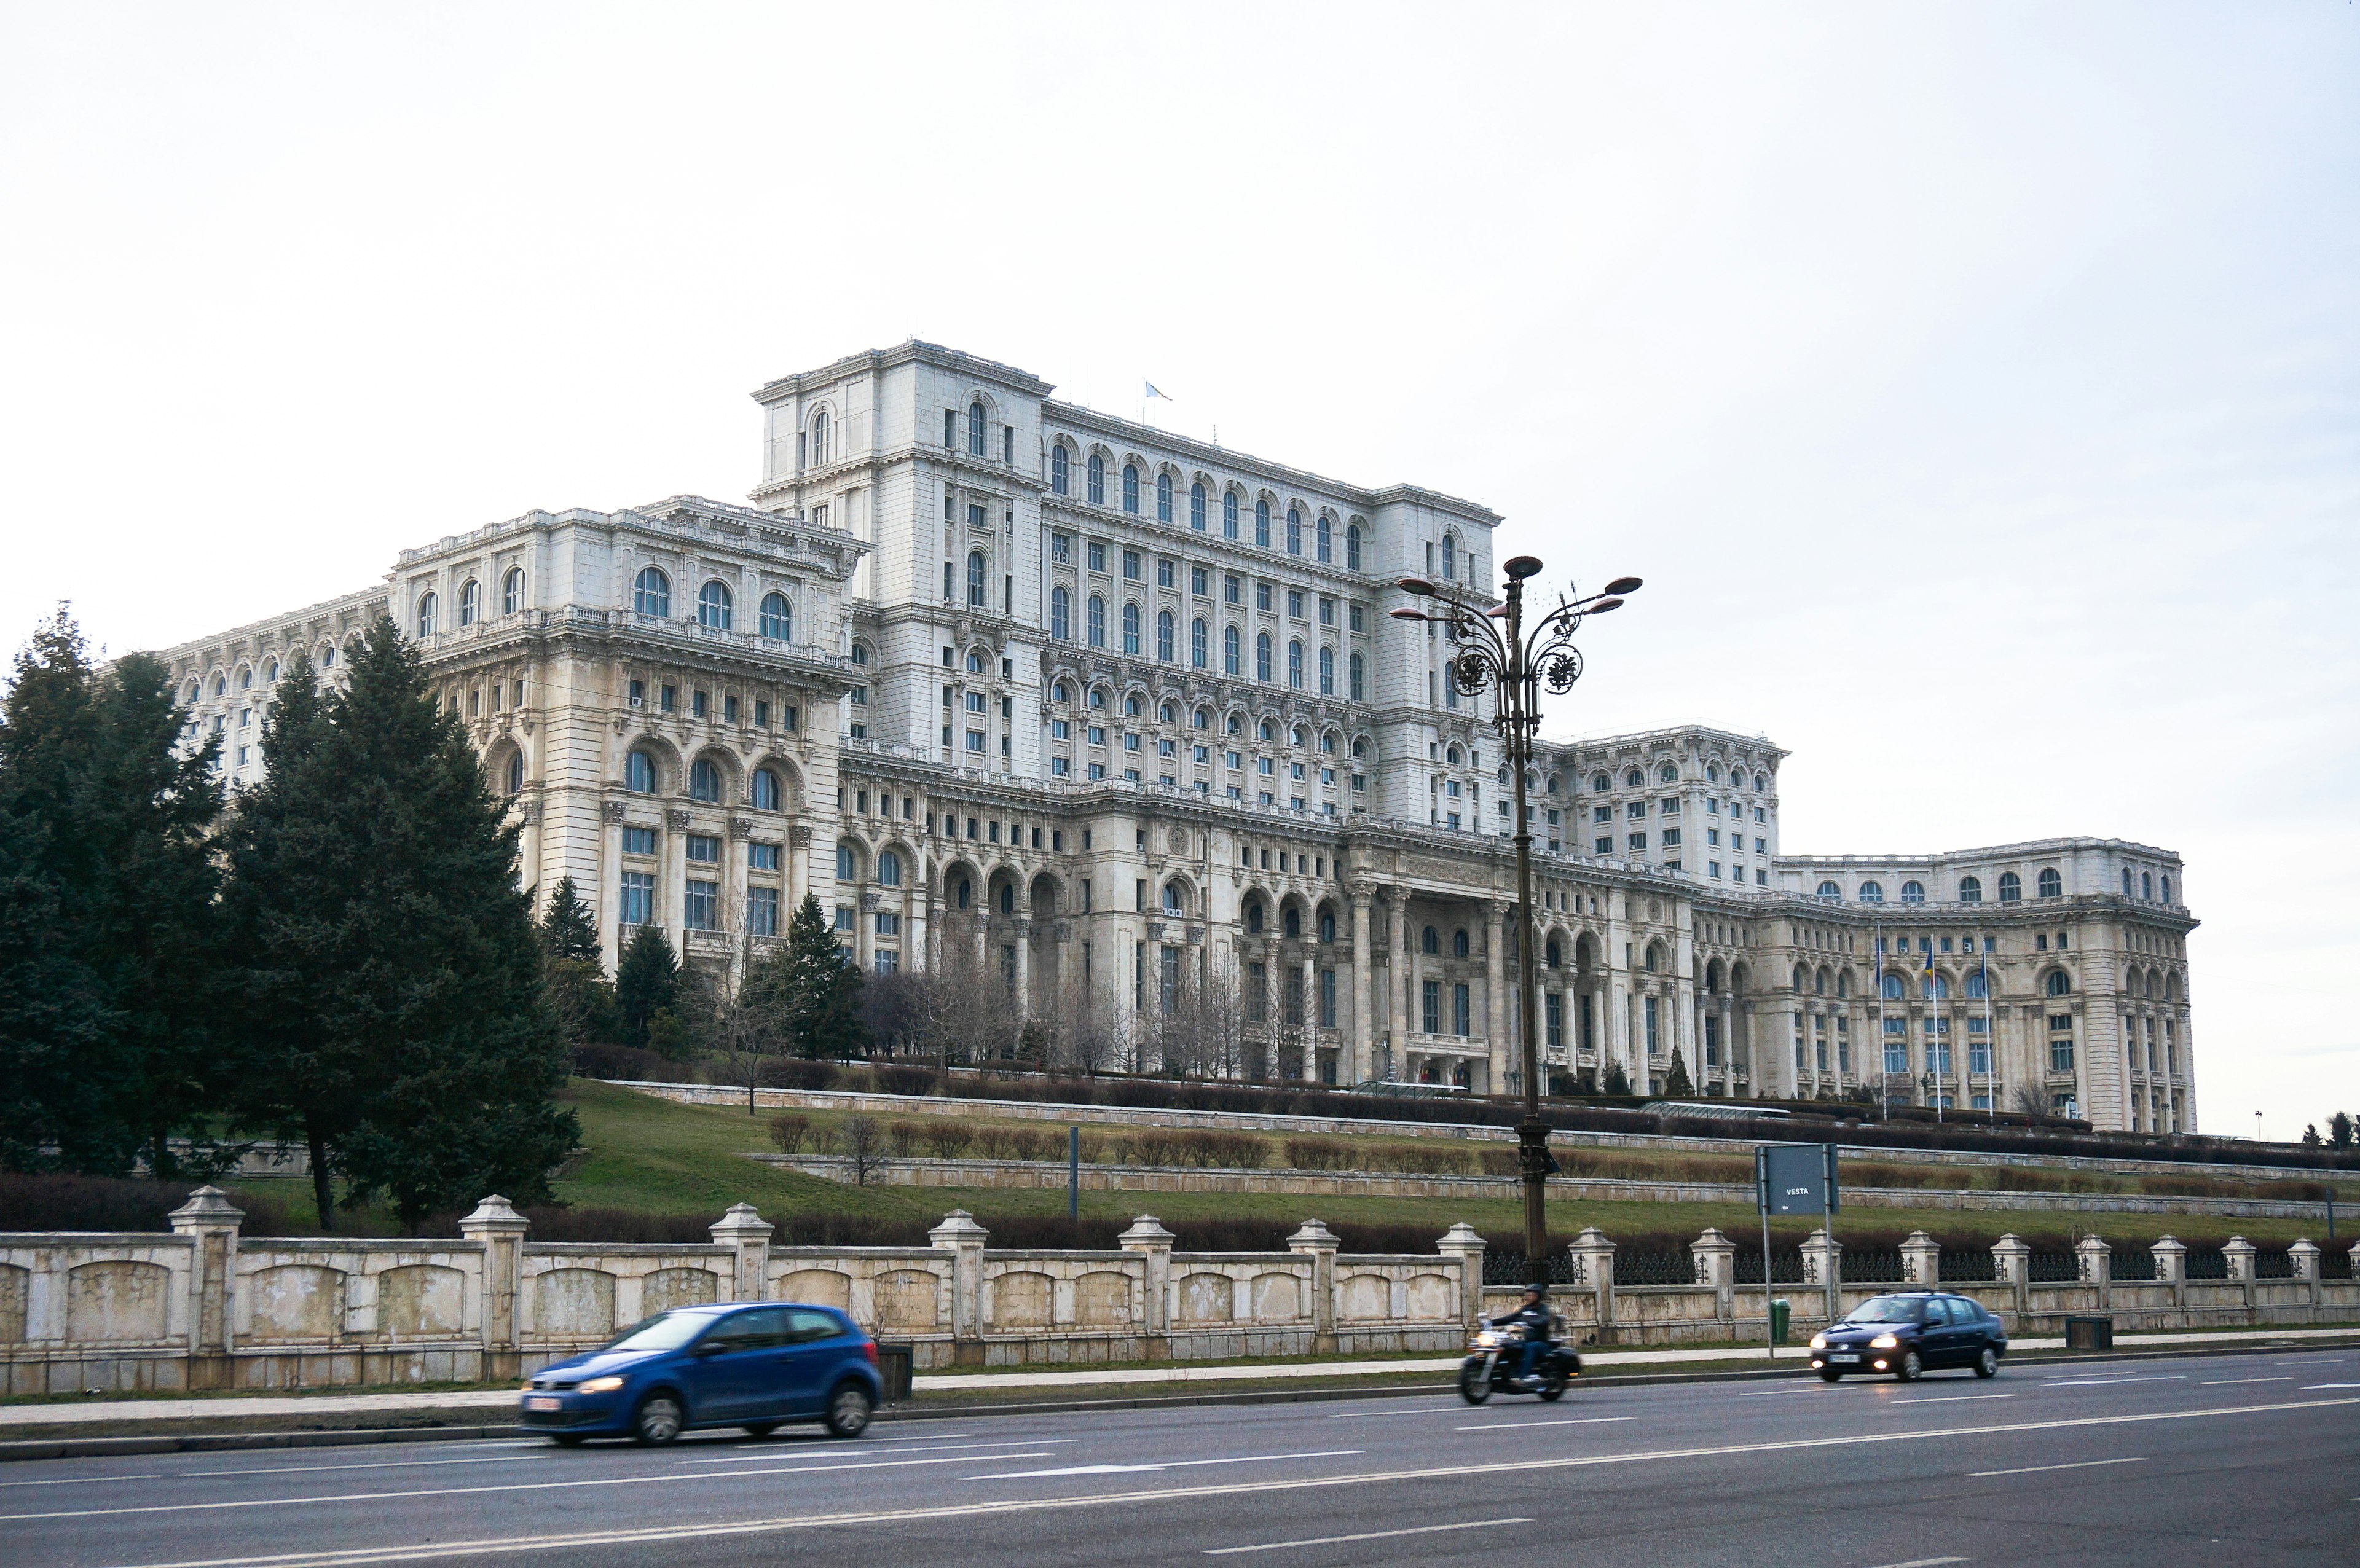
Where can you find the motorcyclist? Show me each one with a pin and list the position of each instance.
(1533, 1317)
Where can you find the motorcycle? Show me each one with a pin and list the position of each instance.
(1493, 1355)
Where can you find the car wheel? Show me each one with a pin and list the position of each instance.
(1987, 1361)
(847, 1411)
(659, 1419)
(1911, 1367)
(567, 1439)
(761, 1428)
(1830, 1375)
(1473, 1386)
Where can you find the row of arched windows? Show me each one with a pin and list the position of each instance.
(763, 790)
(1669, 773)
(716, 605)
(1319, 535)
(1061, 630)
(429, 619)
(1971, 889)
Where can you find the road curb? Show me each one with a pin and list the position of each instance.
(217, 1442)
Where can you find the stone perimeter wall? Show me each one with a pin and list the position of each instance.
(203, 1307)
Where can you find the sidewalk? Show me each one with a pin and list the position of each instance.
(487, 1404)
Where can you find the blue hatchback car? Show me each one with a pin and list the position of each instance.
(751, 1364)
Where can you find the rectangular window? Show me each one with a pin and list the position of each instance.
(1432, 997)
(704, 850)
(1165, 569)
(639, 897)
(889, 924)
(887, 961)
(1294, 604)
(1230, 588)
(1326, 612)
(1326, 998)
(1635, 810)
(1463, 1010)
(1671, 838)
(762, 856)
(1638, 842)
(1130, 565)
(761, 712)
(1061, 549)
(1098, 555)
(1552, 1009)
(638, 841)
(974, 740)
(1655, 1026)
(1200, 582)
(1060, 767)
(762, 911)
(1261, 595)
(1257, 994)
(1601, 846)
(703, 908)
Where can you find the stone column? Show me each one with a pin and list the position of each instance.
(1404, 984)
(1309, 983)
(673, 904)
(499, 1230)
(1823, 1266)
(211, 1223)
(1023, 969)
(2171, 1267)
(608, 895)
(2012, 1267)
(1363, 1029)
(1715, 1256)
(2303, 1257)
(1461, 1242)
(959, 1235)
(799, 849)
(2095, 1266)
(863, 930)
(748, 1235)
(1064, 933)
(2239, 1254)
(982, 922)
(1495, 1007)
(1319, 1243)
(1921, 1260)
(1148, 1237)
(1593, 1266)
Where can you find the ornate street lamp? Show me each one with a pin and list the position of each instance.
(1496, 650)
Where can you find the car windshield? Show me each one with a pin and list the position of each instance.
(1887, 1308)
(665, 1331)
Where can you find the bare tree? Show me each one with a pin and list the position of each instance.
(1203, 1033)
(864, 1142)
(2029, 1101)
(959, 1011)
(737, 1015)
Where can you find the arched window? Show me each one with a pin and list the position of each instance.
(860, 653)
(819, 437)
(888, 869)
(2011, 887)
(2147, 884)
(1199, 643)
(1893, 988)
(765, 791)
(976, 664)
(1667, 774)
(1295, 662)
(425, 614)
(777, 621)
(1295, 530)
(652, 593)
(847, 865)
(1452, 756)
(1098, 621)
(1164, 636)
(1196, 507)
(1352, 546)
(1971, 890)
(1357, 692)
(713, 605)
(1450, 555)
(639, 773)
(975, 573)
(2051, 885)
(1262, 524)
(2060, 983)
(1131, 487)
(1172, 901)
(1978, 986)
(1552, 956)
(1131, 628)
(516, 771)
(245, 683)
(975, 428)
(1326, 551)
(1164, 497)
(1634, 779)
(1098, 480)
(196, 689)
(2166, 889)
(1060, 612)
(1327, 925)
(1230, 650)
(512, 591)
(2127, 881)
(1913, 892)
(1601, 783)
(1459, 945)
(703, 781)
(1872, 893)
(1060, 469)
(1937, 988)
(1831, 893)
(964, 894)
(1261, 656)
(1327, 673)
(471, 603)
(1253, 917)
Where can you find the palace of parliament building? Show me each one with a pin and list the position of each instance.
(1122, 719)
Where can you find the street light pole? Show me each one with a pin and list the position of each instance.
(1514, 664)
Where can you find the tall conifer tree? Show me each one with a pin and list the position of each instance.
(822, 987)
(647, 984)
(576, 980)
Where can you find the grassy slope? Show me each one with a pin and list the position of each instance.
(658, 1156)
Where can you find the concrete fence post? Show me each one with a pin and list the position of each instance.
(2238, 1253)
(1593, 1266)
(1715, 1256)
(748, 1235)
(2012, 1267)
(2304, 1260)
(2172, 1268)
(1319, 1243)
(1823, 1266)
(1461, 1242)
(499, 1229)
(959, 1235)
(209, 1222)
(1921, 1260)
(1148, 1237)
(2095, 1268)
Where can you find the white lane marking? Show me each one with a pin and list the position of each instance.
(517, 1486)
(1765, 1393)
(359, 1557)
(2307, 1388)
(85, 1480)
(1166, 1464)
(1927, 1562)
(930, 1448)
(277, 1470)
(1519, 1426)
(2036, 1469)
(2224, 1382)
(2105, 1382)
(1368, 1535)
(1949, 1399)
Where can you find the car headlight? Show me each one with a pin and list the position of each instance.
(1882, 1341)
(1818, 1342)
(599, 1386)
(527, 1388)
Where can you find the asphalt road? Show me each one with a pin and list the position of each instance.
(2243, 1459)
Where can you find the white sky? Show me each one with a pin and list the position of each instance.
(1977, 387)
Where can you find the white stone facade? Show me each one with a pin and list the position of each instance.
(1126, 713)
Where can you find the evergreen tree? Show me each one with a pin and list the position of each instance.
(576, 981)
(820, 986)
(412, 1040)
(1677, 1085)
(647, 981)
(1617, 1081)
(568, 927)
(2339, 1130)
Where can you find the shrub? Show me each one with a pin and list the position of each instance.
(623, 1063)
(909, 1137)
(894, 1080)
(948, 1138)
(788, 1131)
(61, 1202)
(1040, 1143)
(1496, 1161)
(790, 1073)
(1321, 1154)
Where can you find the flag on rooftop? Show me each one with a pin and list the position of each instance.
(1147, 390)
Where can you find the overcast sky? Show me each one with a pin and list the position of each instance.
(1977, 387)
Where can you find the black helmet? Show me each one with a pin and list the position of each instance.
(1540, 1291)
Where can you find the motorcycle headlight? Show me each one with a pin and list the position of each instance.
(600, 1386)
(1884, 1342)
(1486, 1340)
(1818, 1342)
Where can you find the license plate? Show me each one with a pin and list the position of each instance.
(1845, 1360)
(544, 1404)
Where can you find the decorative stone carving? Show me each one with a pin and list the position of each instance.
(677, 821)
(741, 827)
(614, 810)
(799, 834)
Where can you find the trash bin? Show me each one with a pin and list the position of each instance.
(1781, 1314)
(893, 1364)
(2088, 1333)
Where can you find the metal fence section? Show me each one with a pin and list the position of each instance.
(1873, 1268)
(1654, 1268)
(2052, 1269)
(2211, 1264)
(1785, 1267)
(1508, 1269)
(1969, 1268)
(2273, 1264)
(2336, 1265)
(2131, 1266)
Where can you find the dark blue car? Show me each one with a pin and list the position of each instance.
(750, 1365)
